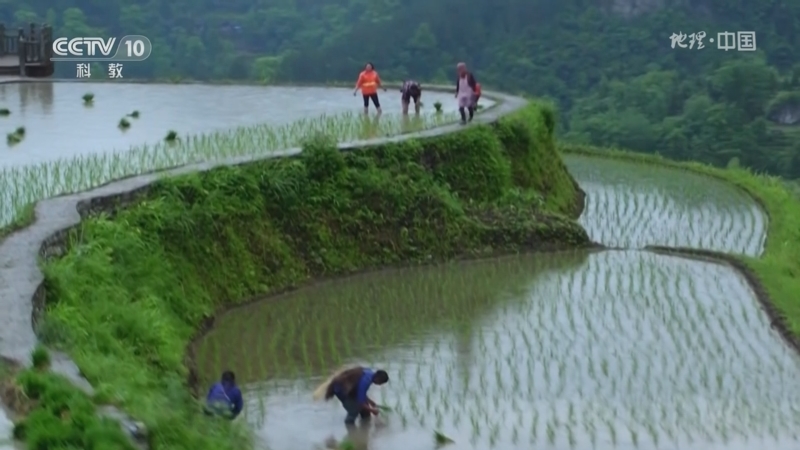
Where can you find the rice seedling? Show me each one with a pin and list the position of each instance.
(522, 368)
(441, 439)
(22, 185)
(652, 206)
(124, 124)
(14, 138)
(88, 98)
(171, 136)
(134, 115)
(5, 112)
(438, 107)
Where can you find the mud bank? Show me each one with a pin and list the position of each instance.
(497, 186)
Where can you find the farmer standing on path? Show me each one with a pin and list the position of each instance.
(369, 81)
(466, 92)
(224, 399)
(350, 388)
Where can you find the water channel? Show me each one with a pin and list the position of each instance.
(618, 349)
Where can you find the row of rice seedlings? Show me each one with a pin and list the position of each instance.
(583, 357)
(430, 403)
(279, 332)
(23, 185)
(635, 421)
(625, 209)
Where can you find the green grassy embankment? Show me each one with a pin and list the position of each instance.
(778, 269)
(57, 415)
(132, 290)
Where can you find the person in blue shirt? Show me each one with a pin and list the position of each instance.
(224, 399)
(350, 388)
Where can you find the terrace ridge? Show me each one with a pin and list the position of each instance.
(22, 289)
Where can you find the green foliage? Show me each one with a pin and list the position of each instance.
(41, 358)
(714, 119)
(24, 217)
(64, 418)
(609, 65)
(441, 439)
(779, 267)
(569, 51)
(203, 241)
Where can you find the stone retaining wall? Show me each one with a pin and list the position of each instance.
(22, 289)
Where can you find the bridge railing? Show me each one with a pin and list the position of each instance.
(33, 46)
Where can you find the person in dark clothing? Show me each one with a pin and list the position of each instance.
(350, 388)
(410, 89)
(466, 92)
(224, 399)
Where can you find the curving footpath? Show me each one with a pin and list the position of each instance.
(22, 292)
(21, 282)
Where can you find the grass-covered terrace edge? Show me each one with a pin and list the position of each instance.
(529, 125)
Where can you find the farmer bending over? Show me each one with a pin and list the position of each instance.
(224, 398)
(351, 386)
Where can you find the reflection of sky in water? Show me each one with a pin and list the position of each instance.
(633, 205)
(58, 125)
(626, 350)
(70, 147)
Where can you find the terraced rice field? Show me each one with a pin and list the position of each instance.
(632, 205)
(612, 350)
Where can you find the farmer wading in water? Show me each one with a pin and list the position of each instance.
(369, 81)
(350, 387)
(224, 399)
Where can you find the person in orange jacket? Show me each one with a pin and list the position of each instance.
(477, 95)
(369, 81)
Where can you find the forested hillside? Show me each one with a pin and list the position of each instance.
(608, 63)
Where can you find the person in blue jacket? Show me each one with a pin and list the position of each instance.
(350, 388)
(224, 399)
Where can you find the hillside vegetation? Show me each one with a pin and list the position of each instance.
(608, 63)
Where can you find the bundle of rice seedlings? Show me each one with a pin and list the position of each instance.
(322, 389)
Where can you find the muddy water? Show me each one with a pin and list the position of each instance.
(632, 205)
(59, 126)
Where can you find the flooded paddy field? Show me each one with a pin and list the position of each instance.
(69, 145)
(617, 349)
(632, 205)
(58, 124)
